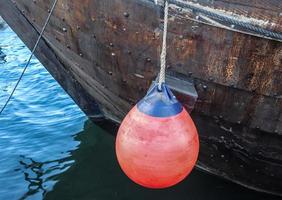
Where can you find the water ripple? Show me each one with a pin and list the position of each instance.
(37, 128)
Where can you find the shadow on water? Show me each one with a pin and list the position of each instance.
(35, 183)
(2, 56)
(95, 174)
(36, 174)
(2, 23)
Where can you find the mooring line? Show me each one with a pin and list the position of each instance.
(263, 32)
(164, 48)
(31, 55)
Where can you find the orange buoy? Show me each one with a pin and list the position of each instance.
(157, 144)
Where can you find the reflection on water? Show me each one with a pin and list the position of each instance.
(35, 173)
(37, 128)
(49, 151)
(95, 174)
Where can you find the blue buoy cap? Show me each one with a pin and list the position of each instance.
(160, 103)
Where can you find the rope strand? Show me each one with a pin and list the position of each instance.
(31, 55)
(163, 53)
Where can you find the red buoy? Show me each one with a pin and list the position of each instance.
(157, 143)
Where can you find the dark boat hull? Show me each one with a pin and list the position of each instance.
(105, 55)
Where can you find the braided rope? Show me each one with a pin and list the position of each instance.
(163, 53)
(229, 19)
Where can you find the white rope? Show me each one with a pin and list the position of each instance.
(31, 55)
(163, 53)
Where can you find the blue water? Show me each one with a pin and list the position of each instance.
(50, 150)
(38, 125)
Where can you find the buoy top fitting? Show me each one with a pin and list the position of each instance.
(159, 103)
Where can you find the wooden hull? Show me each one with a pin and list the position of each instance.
(106, 53)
